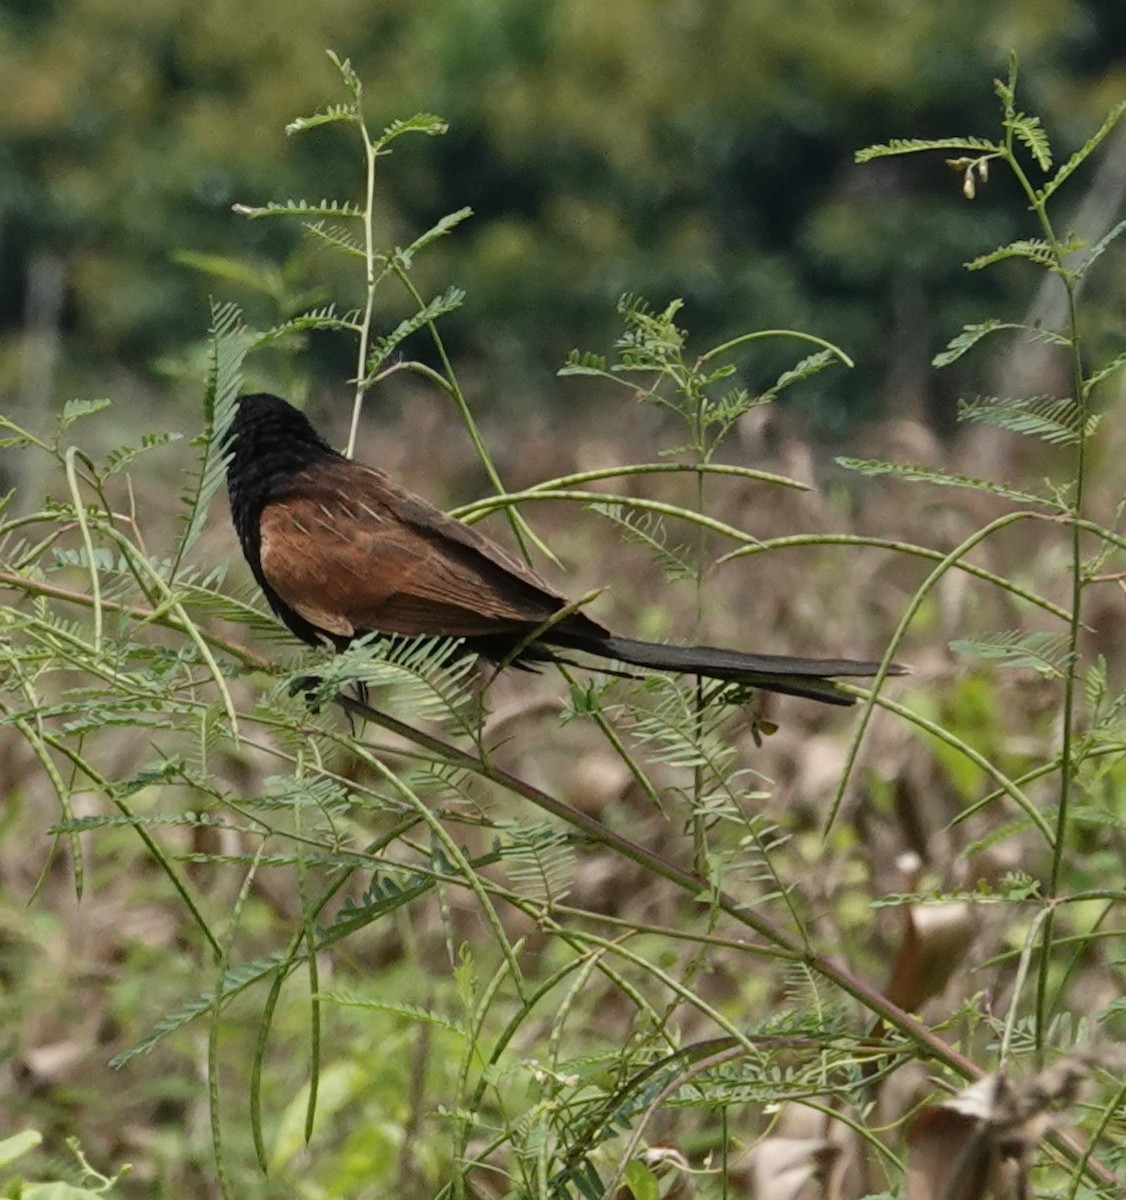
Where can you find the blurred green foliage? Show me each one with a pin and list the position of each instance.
(691, 148)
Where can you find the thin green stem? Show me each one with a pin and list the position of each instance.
(752, 918)
(909, 614)
(924, 552)
(88, 542)
(480, 508)
(1071, 680)
(371, 280)
(520, 528)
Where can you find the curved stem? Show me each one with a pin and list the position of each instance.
(759, 334)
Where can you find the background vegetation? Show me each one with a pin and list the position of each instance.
(515, 1002)
(700, 150)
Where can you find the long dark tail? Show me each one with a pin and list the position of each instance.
(811, 678)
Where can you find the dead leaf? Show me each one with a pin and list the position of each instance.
(947, 1158)
(936, 938)
(784, 1168)
(979, 1143)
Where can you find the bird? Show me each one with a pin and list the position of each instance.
(341, 550)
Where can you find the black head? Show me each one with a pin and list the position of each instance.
(265, 424)
(269, 442)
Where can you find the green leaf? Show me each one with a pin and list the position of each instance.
(439, 230)
(1034, 249)
(352, 81)
(641, 1182)
(813, 364)
(968, 338)
(1031, 132)
(1083, 153)
(1099, 248)
(422, 122)
(58, 1191)
(647, 529)
(230, 340)
(972, 334)
(322, 319)
(73, 410)
(918, 474)
(18, 1145)
(259, 277)
(122, 456)
(338, 237)
(412, 1012)
(331, 115)
(915, 145)
(1043, 652)
(1104, 372)
(1096, 818)
(189, 820)
(676, 733)
(432, 680)
(1057, 420)
(540, 860)
(585, 362)
(449, 301)
(300, 208)
(234, 981)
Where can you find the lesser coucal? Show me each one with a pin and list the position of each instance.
(341, 550)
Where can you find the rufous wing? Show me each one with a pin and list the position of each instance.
(352, 552)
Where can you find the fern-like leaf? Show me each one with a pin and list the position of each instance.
(540, 860)
(412, 1012)
(234, 981)
(378, 901)
(422, 122)
(586, 362)
(121, 456)
(330, 115)
(352, 81)
(189, 820)
(74, 410)
(432, 677)
(322, 319)
(812, 364)
(1057, 420)
(338, 237)
(240, 607)
(1084, 152)
(919, 474)
(678, 735)
(1043, 652)
(1099, 248)
(449, 301)
(648, 530)
(230, 340)
(1031, 132)
(1035, 250)
(914, 145)
(439, 230)
(310, 791)
(1104, 372)
(300, 208)
(968, 338)
(259, 277)
(724, 412)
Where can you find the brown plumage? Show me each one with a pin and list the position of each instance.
(341, 550)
